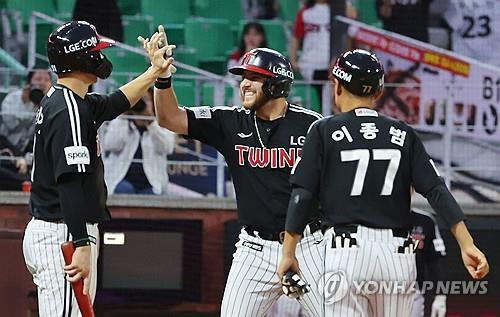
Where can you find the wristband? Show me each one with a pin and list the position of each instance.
(163, 83)
(81, 242)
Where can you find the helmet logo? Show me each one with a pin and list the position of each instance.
(90, 42)
(282, 71)
(339, 73)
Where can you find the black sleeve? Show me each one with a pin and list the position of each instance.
(307, 169)
(428, 183)
(206, 125)
(68, 142)
(71, 196)
(299, 210)
(107, 107)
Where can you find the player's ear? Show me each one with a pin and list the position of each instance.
(338, 88)
(378, 94)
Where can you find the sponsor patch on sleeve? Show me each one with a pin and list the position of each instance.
(77, 155)
(201, 112)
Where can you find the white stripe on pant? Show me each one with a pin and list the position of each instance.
(374, 259)
(44, 260)
(253, 284)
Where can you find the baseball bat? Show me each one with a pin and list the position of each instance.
(84, 302)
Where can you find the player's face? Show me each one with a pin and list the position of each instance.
(252, 96)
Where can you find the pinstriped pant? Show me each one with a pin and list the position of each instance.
(373, 260)
(253, 284)
(286, 307)
(42, 254)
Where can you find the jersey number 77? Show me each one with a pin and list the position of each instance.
(363, 158)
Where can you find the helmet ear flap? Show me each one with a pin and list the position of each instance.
(277, 86)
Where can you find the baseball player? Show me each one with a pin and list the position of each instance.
(260, 142)
(68, 194)
(430, 250)
(360, 166)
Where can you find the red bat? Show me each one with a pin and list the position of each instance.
(84, 302)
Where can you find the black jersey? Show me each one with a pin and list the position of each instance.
(66, 141)
(260, 155)
(430, 246)
(361, 164)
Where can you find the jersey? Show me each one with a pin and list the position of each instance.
(312, 25)
(259, 154)
(360, 165)
(475, 26)
(66, 142)
(430, 244)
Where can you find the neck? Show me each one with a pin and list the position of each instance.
(76, 83)
(351, 103)
(273, 109)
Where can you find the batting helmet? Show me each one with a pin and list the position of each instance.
(360, 72)
(76, 46)
(269, 63)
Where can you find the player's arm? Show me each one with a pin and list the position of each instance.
(428, 183)
(168, 113)
(305, 187)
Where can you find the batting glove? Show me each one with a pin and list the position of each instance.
(293, 286)
(439, 306)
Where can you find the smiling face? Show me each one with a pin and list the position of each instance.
(252, 96)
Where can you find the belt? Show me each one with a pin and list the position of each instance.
(277, 235)
(400, 233)
(52, 220)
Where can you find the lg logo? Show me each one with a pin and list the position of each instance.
(282, 71)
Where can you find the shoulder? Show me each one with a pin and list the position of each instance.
(303, 112)
(207, 112)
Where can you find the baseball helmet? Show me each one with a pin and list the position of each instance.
(76, 46)
(269, 63)
(360, 72)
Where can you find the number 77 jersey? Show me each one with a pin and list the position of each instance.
(361, 165)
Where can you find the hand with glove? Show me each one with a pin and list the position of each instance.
(439, 306)
(162, 42)
(293, 286)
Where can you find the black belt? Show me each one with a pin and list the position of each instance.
(400, 233)
(51, 220)
(277, 235)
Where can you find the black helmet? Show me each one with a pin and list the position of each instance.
(76, 46)
(360, 72)
(270, 63)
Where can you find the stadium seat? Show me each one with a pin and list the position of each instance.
(299, 94)
(367, 12)
(134, 25)
(275, 34)
(288, 9)
(212, 40)
(128, 7)
(186, 55)
(207, 94)
(65, 6)
(166, 12)
(125, 61)
(27, 6)
(222, 9)
(43, 30)
(184, 90)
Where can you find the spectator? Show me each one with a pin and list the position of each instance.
(13, 172)
(260, 9)
(409, 18)
(252, 36)
(475, 29)
(19, 108)
(130, 141)
(105, 15)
